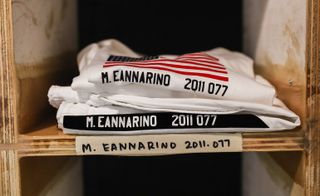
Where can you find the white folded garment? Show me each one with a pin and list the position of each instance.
(78, 118)
(218, 74)
(120, 92)
(59, 94)
(172, 115)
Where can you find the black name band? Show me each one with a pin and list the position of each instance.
(166, 120)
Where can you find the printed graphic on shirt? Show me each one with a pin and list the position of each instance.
(194, 64)
(203, 73)
(131, 76)
(166, 120)
(130, 59)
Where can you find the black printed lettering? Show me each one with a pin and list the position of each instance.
(141, 146)
(128, 75)
(227, 141)
(166, 80)
(222, 143)
(132, 146)
(225, 89)
(173, 145)
(122, 146)
(113, 147)
(130, 59)
(149, 78)
(105, 77)
(218, 89)
(86, 147)
(142, 78)
(187, 85)
(163, 120)
(135, 77)
(115, 75)
(105, 147)
(188, 144)
(214, 88)
(203, 87)
(164, 145)
(131, 76)
(194, 85)
(150, 145)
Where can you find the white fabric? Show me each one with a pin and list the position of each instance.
(66, 108)
(113, 46)
(58, 94)
(242, 84)
(247, 93)
(275, 123)
(277, 117)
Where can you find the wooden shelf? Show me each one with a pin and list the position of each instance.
(48, 140)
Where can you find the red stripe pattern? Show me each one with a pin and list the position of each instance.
(193, 64)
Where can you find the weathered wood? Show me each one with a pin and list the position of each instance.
(51, 176)
(9, 173)
(45, 44)
(271, 178)
(9, 163)
(7, 76)
(312, 153)
(275, 36)
(48, 140)
(297, 85)
(20, 82)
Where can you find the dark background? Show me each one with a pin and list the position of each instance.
(157, 27)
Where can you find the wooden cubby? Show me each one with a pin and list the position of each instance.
(30, 142)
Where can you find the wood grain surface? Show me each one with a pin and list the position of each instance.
(26, 136)
(312, 153)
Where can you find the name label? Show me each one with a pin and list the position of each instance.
(158, 144)
(164, 120)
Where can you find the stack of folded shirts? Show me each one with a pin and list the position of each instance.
(121, 92)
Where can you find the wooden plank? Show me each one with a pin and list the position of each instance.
(49, 140)
(51, 176)
(9, 166)
(295, 170)
(45, 44)
(30, 82)
(312, 153)
(9, 173)
(269, 177)
(7, 76)
(275, 36)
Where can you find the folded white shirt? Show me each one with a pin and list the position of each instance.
(120, 92)
(217, 74)
(78, 118)
(170, 114)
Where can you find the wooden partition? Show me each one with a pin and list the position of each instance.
(38, 45)
(282, 38)
(38, 49)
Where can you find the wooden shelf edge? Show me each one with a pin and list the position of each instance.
(50, 141)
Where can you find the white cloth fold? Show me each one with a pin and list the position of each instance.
(273, 123)
(118, 90)
(276, 117)
(218, 74)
